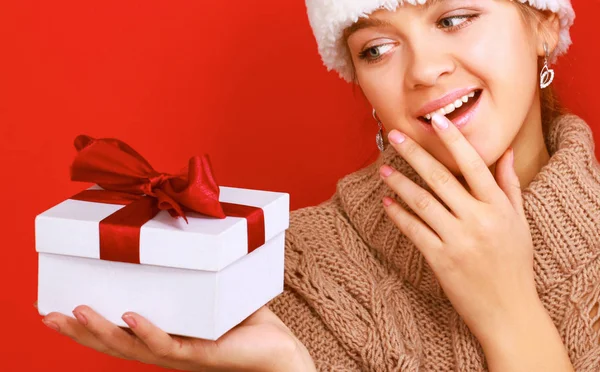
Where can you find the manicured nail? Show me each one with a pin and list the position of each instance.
(51, 325)
(386, 170)
(80, 318)
(396, 137)
(387, 201)
(127, 318)
(440, 121)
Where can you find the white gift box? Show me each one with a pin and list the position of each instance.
(195, 279)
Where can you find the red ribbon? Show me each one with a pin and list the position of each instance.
(128, 179)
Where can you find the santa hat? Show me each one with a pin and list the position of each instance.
(329, 18)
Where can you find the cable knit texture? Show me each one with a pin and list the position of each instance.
(360, 295)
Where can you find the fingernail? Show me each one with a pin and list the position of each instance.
(387, 201)
(440, 121)
(386, 171)
(127, 318)
(80, 318)
(51, 325)
(396, 137)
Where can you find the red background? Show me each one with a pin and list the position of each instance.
(240, 80)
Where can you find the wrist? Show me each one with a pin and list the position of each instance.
(303, 361)
(297, 359)
(526, 339)
(510, 321)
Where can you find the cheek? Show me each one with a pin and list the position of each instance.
(382, 85)
(507, 73)
(506, 64)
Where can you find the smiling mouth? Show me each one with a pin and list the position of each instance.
(455, 109)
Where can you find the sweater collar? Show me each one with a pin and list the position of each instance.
(562, 205)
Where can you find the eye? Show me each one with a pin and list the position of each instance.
(456, 22)
(375, 52)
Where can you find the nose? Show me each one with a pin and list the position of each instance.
(426, 65)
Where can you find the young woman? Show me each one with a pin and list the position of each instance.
(472, 243)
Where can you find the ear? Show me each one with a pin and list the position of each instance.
(548, 32)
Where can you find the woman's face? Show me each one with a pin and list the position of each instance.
(419, 59)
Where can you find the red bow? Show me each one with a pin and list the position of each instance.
(128, 179)
(115, 166)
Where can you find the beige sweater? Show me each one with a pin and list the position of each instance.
(360, 295)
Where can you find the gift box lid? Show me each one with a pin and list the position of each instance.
(204, 243)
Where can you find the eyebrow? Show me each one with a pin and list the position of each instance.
(365, 23)
(431, 3)
(375, 22)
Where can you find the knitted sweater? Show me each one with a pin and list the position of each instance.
(360, 295)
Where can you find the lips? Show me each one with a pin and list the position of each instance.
(459, 116)
(448, 103)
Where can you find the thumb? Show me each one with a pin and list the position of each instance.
(507, 179)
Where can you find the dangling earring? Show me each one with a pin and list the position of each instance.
(379, 135)
(547, 74)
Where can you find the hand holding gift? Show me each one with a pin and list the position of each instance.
(120, 248)
(260, 343)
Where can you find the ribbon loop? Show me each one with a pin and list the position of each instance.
(114, 165)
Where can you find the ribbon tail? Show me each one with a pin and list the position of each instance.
(256, 222)
(120, 232)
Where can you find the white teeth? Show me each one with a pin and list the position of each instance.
(452, 106)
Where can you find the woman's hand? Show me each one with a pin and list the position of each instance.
(262, 342)
(481, 248)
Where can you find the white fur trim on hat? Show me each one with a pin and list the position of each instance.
(329, 18)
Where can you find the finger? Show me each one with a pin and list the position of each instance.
(507, 179)
(163, 346)
(431, 211)
(112, 336)
(472, 166)
(437, 176)
(70, 327)
(419, 233)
